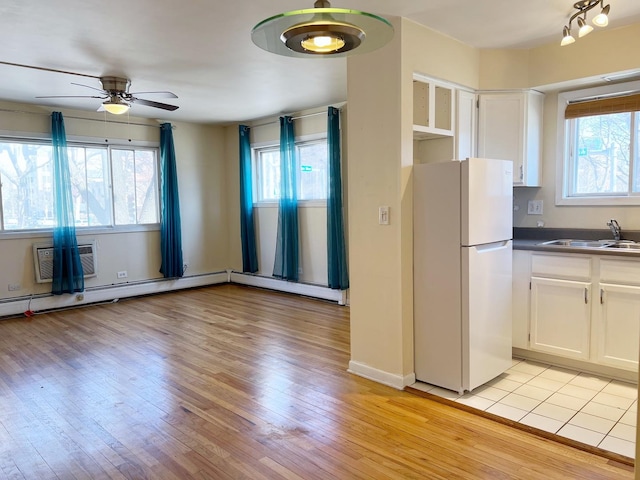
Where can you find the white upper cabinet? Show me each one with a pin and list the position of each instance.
(433, 108)
(510, 128)
(465, 136)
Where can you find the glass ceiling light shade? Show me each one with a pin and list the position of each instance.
(322, 31)
(582, 7)
(116, 106)
(567, 39)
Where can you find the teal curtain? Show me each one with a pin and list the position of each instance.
(68, 276)
(338, 275)
(286, 260)
(247, 229)
(170, 228)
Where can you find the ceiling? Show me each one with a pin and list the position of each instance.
(202, 50)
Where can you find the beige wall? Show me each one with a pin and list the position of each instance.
(203, 200)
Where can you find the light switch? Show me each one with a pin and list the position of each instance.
(383, 215)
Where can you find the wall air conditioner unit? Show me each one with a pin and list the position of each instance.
(43, 260)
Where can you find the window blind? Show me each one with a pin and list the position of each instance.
(603, 106)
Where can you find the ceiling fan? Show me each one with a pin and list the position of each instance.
(117, 98)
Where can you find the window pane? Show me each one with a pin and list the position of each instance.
(313, 171)
(636, 153)
(146, 186)
(27, 190)
(124, 192)
(88, 168)
(602, 155)
(268, 175)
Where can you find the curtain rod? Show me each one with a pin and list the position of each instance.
(293, 118)
(7, 110)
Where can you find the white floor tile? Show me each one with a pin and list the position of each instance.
(559, 374)
(624, 432)
(546, 383)
(444, 393)
(621, 389)
(574, 403)
(617, 445)
(543, 423)
(613, 400)
(604, 411)
(556, 412)
(591, 382)
(630, 418)
(490, 393)
(475, 401)
(506, 411)
(520, 401)
(424, 387)
(634, 406)
(578, 392)
(591, 422)
(581, 434)
(517, 376)
(504, 384)
(532, 368)
(527, 390)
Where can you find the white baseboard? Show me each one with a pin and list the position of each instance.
(107, 293)
(315, 291)
(396, 381)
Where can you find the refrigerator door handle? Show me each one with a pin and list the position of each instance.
(487, 247)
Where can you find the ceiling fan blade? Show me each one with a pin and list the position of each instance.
(150, 103)
(87, 86)
(73, 96)
(160, 94)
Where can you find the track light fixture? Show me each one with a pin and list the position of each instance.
(582, 7)
(322, 31)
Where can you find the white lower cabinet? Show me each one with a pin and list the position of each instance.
(583, 307)
(560, 317)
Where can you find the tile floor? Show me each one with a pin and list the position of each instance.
(580, 406)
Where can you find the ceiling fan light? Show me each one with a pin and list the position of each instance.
(567, 38)
(585, 28)
(602, 19)
(116, 107)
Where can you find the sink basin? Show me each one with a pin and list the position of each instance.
(578, 243)
(627, 245)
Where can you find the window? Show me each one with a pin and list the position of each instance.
(602, 138)
(312, 172)
(111, 186)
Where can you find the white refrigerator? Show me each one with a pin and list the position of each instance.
(463, 216)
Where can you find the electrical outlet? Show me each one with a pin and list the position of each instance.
(14, 287)
(534, 207)
(122, 274)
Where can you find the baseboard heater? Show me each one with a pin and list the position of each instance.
(43, 260)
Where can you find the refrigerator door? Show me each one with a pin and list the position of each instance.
(486, 201)
(486, 312)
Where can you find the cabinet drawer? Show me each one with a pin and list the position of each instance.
(620, 271)
(561, 266)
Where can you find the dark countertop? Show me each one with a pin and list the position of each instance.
(532, 239)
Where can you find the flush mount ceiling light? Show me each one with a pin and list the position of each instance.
(322, 31)
(582, 7)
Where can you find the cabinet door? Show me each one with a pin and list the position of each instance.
(618, 328)
(465, 137)
(501, 129)
(560, 317)
(520, 316)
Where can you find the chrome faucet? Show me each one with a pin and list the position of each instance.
(615, 228)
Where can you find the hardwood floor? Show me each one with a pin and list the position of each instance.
(230, 382)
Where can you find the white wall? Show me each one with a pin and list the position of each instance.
(202, 185)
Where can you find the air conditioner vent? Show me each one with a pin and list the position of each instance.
(43, 260)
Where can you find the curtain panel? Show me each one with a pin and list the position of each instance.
(68, 276)
(286, 259)
(337, 272)
(170, 225)
(247, 227)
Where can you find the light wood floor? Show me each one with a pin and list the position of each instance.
(231, 382)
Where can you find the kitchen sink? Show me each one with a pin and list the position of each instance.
(627, 245)
(578, 243)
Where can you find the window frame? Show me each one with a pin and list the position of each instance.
(565, 165)
(256, 148)
(88, 142)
